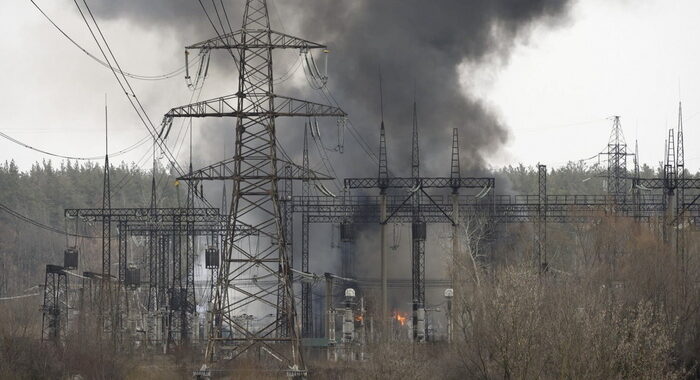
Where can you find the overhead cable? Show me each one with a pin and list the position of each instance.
(115, 154)
(18, 297)
(128, 90)
(167, 75)
(39, 224)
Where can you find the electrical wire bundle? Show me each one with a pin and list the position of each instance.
(316, 80)
(106, 64)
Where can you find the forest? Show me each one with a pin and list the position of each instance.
(615, 304)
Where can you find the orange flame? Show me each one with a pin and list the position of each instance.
(359, 318)
(400, 318)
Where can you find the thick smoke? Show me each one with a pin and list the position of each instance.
(419, 46)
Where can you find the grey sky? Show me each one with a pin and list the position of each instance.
(553, 93)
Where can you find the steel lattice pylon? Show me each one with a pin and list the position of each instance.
(541, 232)
(255, 198)
(306, 302)
(617, 163)
(680, 195)
(418, 237)
(55, 306)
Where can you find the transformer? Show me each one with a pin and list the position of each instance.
(347, 232)
(70, 258)
(211, 258)
(178, 298)
(418, 231)
(132, 277)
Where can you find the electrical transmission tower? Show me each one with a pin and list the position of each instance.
(418, 234)
(256, 200)
(617, 163)
(306, 302)
(680, 194)
(106, 312)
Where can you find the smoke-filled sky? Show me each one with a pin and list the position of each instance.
(524, 81)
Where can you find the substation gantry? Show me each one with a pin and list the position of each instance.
(261, 215)
(625, 198)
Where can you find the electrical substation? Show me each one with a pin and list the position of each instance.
(223, 280)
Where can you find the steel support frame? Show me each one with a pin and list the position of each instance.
(54, 321)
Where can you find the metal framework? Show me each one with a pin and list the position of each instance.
(255, 270)
(539, 209)
(255, 198)
(418, 234)
(541, 234)
(306, 302)
(170, 299)
(617, 163)
(55, 306)
(681, 185)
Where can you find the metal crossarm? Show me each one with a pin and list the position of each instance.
(143, 214)
(255, 39)
(224, 170)
(663, 183)
(503, 208)
(425, 182)
(286, 106)
(227, 106)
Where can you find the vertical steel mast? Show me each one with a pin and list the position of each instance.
(306, 302)
(617, 163)
(541, 228)
(418, 232)
(255, 203)
(105, 285)
(680, 193)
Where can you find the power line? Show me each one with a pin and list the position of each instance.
(130, 94)
(218, 16)
(235, 62)
(18, 297)
(228, 21)
(115, 154)
(209, 18)
(167, 75)
(326, 162)
(39, 224)
(125, 180)
(354, 132)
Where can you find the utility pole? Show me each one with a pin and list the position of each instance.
(153, 263)
(306, 302)
(418, 234)
(541, 238)
(383, 181)
(288, 239)
(670, 185)
(636, 191)
(680, 196)
(105, 285)
(330, 317)
(455, 175)
(55, 305)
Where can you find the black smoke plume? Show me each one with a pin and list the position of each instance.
(419, 45)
